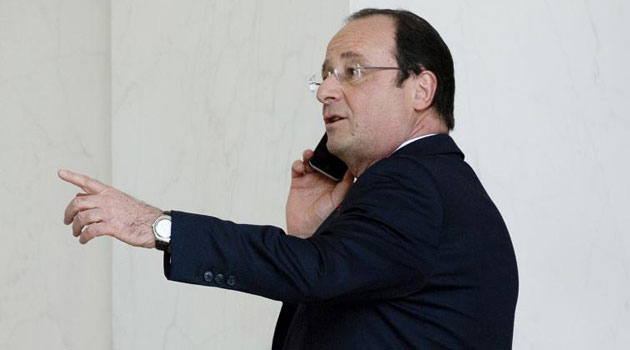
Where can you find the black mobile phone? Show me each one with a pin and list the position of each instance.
(327, 163)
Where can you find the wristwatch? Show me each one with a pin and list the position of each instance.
(162, 231)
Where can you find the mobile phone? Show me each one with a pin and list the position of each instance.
(327, 163)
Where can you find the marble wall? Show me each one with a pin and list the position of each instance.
(541, 114)
(54, 113)
(210, 106)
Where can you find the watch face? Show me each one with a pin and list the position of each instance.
(163, 229)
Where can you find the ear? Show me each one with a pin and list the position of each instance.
(425, 85)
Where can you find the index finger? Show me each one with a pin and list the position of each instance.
(307, 155)
(297, 169)
(86, 183)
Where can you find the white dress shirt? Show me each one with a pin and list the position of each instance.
(410, 141)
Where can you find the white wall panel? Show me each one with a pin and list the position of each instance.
(541, 113)
(55, 113)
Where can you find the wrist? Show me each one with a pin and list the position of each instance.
(145, 228)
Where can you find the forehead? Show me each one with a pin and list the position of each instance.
(370, 38)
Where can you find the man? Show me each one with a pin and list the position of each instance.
(414, 254)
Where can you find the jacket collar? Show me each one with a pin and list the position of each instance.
(436, 144)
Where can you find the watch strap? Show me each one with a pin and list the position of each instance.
(163, 246)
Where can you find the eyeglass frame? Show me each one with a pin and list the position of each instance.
(313, 84)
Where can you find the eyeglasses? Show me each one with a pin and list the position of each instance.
(350, 75)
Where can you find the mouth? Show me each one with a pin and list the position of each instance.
(331, 119)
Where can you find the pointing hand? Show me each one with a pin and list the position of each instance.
(103, 210)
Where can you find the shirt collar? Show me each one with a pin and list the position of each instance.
(410, 141)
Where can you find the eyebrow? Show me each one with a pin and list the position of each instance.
(351, 54)
(345, 55)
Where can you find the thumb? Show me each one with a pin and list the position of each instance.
(340, 190)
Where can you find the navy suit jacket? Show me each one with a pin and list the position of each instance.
(417, 256)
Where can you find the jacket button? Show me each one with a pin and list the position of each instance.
(207, 276)
(219, 278)
(231, 280)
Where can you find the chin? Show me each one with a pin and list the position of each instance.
(334, 147)
(340, 152)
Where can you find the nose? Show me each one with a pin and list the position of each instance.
(329, 90)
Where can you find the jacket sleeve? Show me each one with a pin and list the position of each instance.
(381, 244)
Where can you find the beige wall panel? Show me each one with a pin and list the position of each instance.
(210, 107)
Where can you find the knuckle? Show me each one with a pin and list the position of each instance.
(77, 201)
(80, 217)
(96, 230)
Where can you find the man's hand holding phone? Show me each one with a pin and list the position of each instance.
(312, 197)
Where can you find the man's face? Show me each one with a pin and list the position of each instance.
(368, 119)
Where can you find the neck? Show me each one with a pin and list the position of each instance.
(360, 167)
(425, 124)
